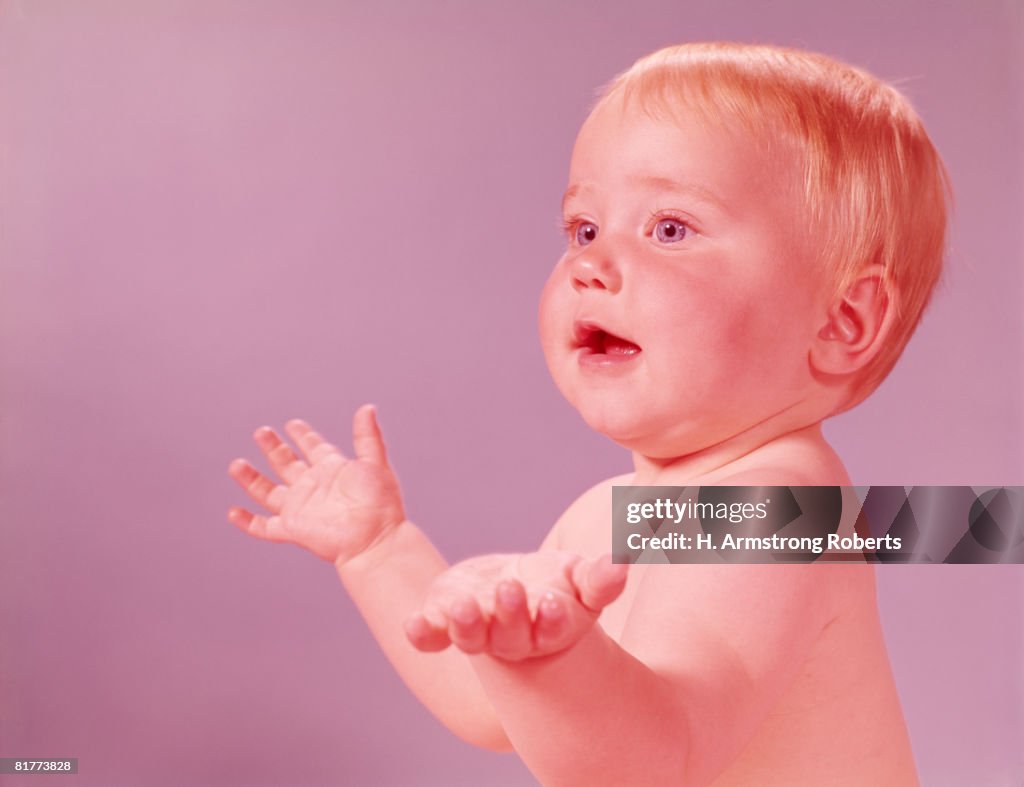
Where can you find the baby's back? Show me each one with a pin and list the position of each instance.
(835, 719)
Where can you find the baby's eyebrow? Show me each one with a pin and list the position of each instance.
(661, 183)
(570, 192)
(692, 189)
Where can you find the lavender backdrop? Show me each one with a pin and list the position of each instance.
(222, 214)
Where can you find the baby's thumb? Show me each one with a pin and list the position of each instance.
(599, 581)
(366, 437)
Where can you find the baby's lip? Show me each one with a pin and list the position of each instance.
(595, 337)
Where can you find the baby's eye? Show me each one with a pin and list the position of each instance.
(585, 233)
(670, 230)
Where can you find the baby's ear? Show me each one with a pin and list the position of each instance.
(856, 326)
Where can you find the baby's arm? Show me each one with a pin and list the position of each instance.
(350, 512)
(387, 585)
(704, 655)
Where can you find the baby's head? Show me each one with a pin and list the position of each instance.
(753, 234)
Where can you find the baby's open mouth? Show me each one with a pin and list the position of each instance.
(592, 339)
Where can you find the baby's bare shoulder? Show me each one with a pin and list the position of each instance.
(588, 515)
(800, 459)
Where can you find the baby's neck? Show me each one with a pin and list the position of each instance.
(797, 457)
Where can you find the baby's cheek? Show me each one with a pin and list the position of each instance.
(771, 341)
(717, 320)
(550, 314)
(745, 335)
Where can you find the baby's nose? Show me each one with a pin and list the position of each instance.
(590, 271)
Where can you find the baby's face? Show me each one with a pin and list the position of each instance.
(683, 309)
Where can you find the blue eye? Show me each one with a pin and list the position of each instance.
(585, 233)
(670, 230)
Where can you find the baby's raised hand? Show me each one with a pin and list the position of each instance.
(516, 607)
(333, 506)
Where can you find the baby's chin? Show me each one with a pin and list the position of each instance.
(658, 438)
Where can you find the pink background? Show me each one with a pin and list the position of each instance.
(217, 215)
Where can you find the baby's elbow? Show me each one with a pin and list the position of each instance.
(501, 746)
(488, 737)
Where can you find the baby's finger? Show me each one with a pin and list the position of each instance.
(467, 627)
(313, 446)
(551, 631)
(280, 455)
(424, 635)
(260, 488)
(510, 627)
(599, 581)
(267, 528)
(366, 437)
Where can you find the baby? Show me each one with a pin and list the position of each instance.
(752, 236)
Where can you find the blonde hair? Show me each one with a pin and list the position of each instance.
(875, 188)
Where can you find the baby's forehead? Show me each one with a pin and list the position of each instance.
(665, 144)
(686, 115)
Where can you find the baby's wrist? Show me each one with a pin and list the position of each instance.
(376, 552)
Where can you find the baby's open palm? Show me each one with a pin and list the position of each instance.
(334, 506)
(516, 606)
